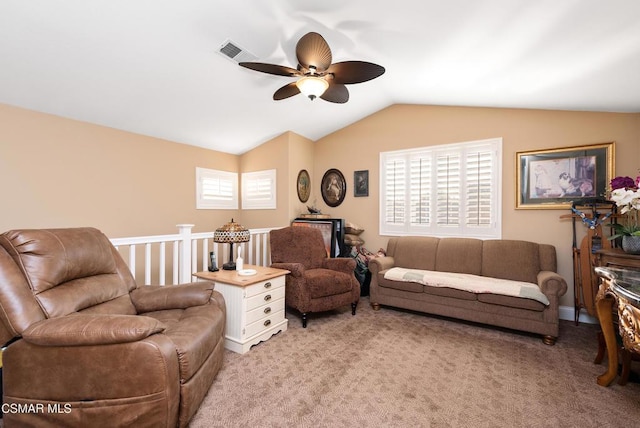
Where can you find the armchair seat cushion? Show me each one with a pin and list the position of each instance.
(325, 282)
(191, 332)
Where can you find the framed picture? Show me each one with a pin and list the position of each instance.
(304, 185)
(333, 187)
(361, 183)
(555, 178)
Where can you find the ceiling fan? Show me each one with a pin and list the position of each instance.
(318, 77)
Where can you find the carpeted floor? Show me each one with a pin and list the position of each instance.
(394, 368)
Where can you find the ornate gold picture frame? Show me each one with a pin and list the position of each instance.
(556, 178)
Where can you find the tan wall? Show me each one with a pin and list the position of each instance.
(287, 154)
(408, 126)
(57, 172)
(300, 157)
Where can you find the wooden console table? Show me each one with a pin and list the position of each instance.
(620, 288)
(616, 258)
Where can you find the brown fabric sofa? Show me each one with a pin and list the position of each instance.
(504, 259)
(88, 347)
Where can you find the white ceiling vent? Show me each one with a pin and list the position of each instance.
(232, 51)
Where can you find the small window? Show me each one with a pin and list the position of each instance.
(259, 190)
(216, 190)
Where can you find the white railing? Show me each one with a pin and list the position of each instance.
(188, 252)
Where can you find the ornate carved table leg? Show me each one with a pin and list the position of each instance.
(604, 307)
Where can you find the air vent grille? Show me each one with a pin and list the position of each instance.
(234, 52)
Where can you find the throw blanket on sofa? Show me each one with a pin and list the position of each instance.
(467, 282)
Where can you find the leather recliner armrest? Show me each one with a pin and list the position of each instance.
(149, 298)
(93, 329)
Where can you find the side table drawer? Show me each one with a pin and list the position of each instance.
(263, 286)
(264, 324)
(265, 311)
(265, 298)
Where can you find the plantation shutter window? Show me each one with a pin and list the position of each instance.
(259, 190)
(216, 189)
(448, 190)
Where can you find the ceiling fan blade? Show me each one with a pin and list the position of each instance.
(336, 93)
(286, 91)
(278, 70)
(349, 72)
(312, 50)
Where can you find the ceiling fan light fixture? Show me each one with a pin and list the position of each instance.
(312, 86)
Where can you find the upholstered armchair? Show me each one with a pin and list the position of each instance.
(316, 283)
(87, 347)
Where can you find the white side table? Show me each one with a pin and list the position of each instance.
(255, 304)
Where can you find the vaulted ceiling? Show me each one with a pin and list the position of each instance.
(153, 66)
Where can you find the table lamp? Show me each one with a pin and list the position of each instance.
(231, 233)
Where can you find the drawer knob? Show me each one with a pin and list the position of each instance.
(267, 297)
(267, 285)
(267, 310)
(267, 322)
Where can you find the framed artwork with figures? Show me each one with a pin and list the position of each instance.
(557, 178)
(303, 185)
(361, 183)
(333, 187)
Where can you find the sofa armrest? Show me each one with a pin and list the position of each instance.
(551, 283)
(379, 264)
(149, 298)
(296, 269)
(80, 329)
(346, 265)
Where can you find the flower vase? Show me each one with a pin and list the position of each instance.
(631, 244)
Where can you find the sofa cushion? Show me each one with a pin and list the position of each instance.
(319, 286)
(513, 302)
(413, 252)
(508, 259)
(460, 255)
(413, 287)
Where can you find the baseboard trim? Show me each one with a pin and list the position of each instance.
(567, 313)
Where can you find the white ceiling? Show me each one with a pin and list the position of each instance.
(152, 67)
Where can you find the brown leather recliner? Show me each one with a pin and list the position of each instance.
(88, 347)
(316, 283)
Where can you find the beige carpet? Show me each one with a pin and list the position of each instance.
(400, 369)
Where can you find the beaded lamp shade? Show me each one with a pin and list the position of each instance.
(231, 233)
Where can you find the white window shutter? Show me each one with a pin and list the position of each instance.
(216, 189)
(448, 190)
(420, 190)
(479, 179)
(259, 190)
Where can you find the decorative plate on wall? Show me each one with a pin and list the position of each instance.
(304, 185)
(333, 187)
